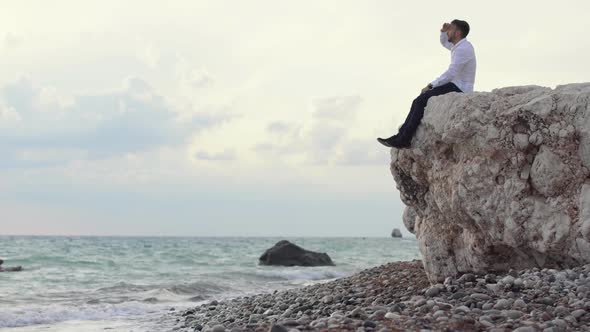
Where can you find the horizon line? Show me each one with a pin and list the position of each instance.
(199, 236)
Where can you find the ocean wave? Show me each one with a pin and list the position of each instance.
(295, 274)
(196, 288)
(157, 293)
(51, 314)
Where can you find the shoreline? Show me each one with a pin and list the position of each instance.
(398, 297)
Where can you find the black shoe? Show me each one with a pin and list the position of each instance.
(395, 141)
(388, 142)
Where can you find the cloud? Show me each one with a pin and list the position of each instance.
(332, 119)
(359, 152)
(149, 55)
(282, 127)
(131, 119)
(11, 40)
(190, 78)
(8, 116)
(225, 155)
(198, 79)
(336, 108)
(324, 139)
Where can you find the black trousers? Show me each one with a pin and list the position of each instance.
(408, 129)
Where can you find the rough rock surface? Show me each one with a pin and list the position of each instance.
(396, 233)
(499, 180)
(286, 253)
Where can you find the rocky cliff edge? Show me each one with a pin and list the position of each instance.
(499, 180)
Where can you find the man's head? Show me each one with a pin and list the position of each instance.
(457, 31)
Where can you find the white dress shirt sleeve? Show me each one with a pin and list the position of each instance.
(460, 56)
(444, 41)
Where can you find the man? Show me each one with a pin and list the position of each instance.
(460, 77)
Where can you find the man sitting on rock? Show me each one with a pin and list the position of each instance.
(460, 77)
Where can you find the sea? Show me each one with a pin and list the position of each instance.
(139, 283)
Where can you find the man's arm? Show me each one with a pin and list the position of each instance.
(460, 57)
(444, 39)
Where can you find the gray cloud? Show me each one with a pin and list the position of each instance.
(132, 119)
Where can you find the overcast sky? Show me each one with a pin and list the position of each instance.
(247, 118)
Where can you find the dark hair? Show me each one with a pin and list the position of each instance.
(462, 26)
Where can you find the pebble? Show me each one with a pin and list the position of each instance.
(462, 309)
(578, 313)
(519, 304)
(508, 280)
(513, 314)
(218, 328)
(432, 291)
(278, 328)
(530, 300)
(392, 316)
(502, 304)
(525, 329)
(438, 313)
(328, 299)
(487, 306)
(480, 297)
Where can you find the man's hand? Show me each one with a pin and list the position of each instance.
(445, 27)
(426, 88)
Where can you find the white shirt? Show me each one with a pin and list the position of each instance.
(461, 72)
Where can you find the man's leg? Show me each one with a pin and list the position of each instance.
(407, 130)
(415, 106)
(417, 110)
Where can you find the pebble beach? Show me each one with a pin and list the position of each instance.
(398, 297)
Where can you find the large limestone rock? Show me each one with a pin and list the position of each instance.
(499, 180)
